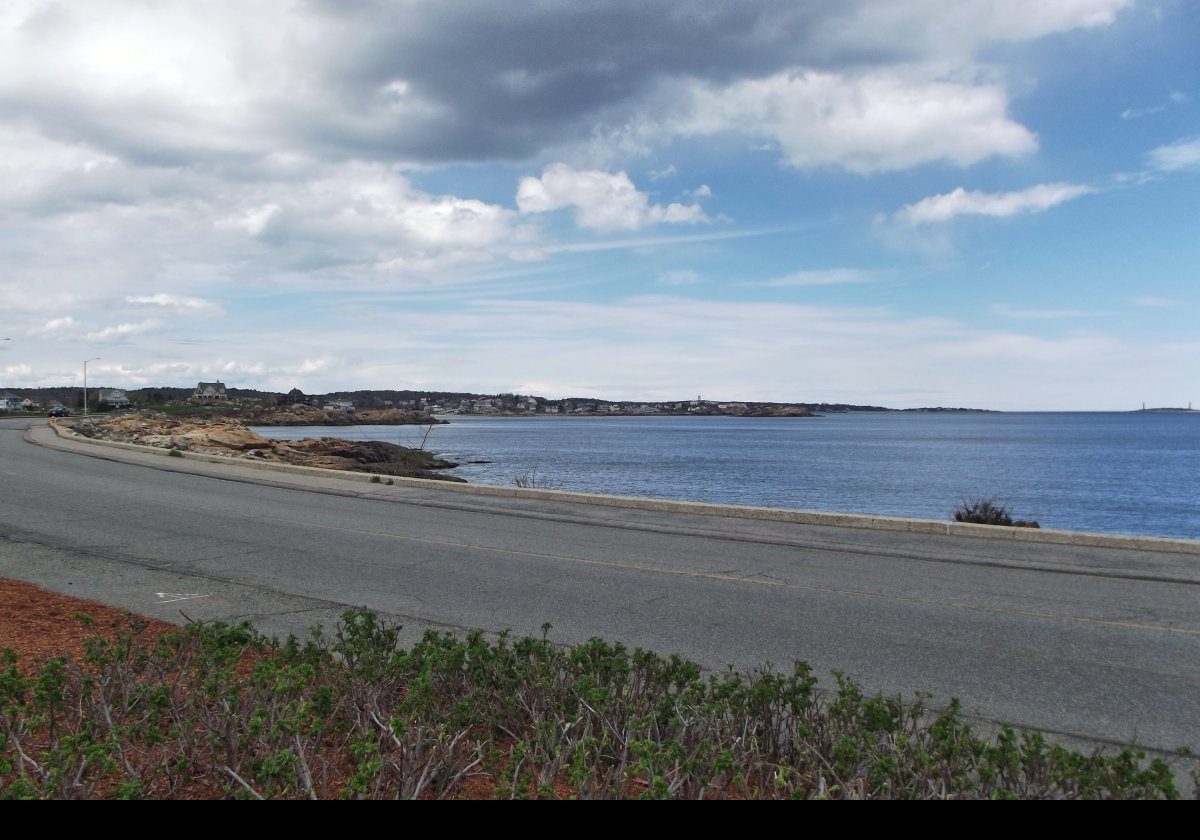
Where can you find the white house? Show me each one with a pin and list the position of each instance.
(115, 398)
(10, 401)
(207, 392)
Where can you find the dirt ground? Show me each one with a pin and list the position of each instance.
(39, 625)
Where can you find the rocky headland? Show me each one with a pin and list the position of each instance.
(232, 438)
(776, 411)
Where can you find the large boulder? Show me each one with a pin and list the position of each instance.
(233, 438)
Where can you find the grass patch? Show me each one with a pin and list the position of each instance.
(219, 711)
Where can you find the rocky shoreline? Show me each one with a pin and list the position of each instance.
(303, 415)
(232, 438)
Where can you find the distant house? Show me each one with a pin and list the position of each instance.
(115, 398)
(340, 405)
(209, 392)
(28, 404)
(10, 401)
(295, 397)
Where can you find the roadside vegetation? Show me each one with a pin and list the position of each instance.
(218, 711)
(532, 479)
(988, 512)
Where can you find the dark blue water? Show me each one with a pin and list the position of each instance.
(1126, 473)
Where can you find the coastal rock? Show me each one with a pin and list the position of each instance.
(232, 438)
(305, 415)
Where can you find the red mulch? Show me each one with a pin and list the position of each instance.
(40, 625)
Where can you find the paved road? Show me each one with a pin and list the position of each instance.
(1099, 643)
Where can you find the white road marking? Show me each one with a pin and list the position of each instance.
(172, 597)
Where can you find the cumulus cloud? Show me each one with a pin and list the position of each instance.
(59, 326)
(601, 200)
(960, 202)
(369, 214)
(314, 365)
(866, 123)
(12, 372)
(1178, 156)
(120, 331)
(177, 303)
(232, 84)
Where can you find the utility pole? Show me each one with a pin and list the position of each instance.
(85, 364)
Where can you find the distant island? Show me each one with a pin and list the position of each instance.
(1166, 410)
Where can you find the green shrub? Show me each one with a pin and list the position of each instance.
(216, 710)
(988, 512)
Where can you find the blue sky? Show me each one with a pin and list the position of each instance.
(903, 203)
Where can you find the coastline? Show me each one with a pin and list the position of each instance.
(56, 436)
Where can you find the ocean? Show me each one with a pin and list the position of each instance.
(1123, 473)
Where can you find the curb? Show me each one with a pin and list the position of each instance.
(798, 517)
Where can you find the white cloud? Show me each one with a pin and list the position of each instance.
(120, 331)
(1151, 302)
(823, 277)
(1006, 310)
(186, 305)
(679, 277)
(234, 83)
(361, 204)
(1181, 155)
(960, 202)
(314, 365)
(601, 200)
(939, 29)
(1134, 113)
(866, 123)
(253, 220)
(59, 326)
(669, 346)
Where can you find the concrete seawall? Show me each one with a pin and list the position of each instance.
(69, 439)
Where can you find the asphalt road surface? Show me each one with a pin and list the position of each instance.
(1100, 644)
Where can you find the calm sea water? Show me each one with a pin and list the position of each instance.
(1126, 473)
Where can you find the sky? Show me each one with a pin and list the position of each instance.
(887, 202)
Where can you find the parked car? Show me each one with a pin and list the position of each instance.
(60, 412)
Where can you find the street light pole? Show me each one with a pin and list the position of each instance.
(85, 364)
